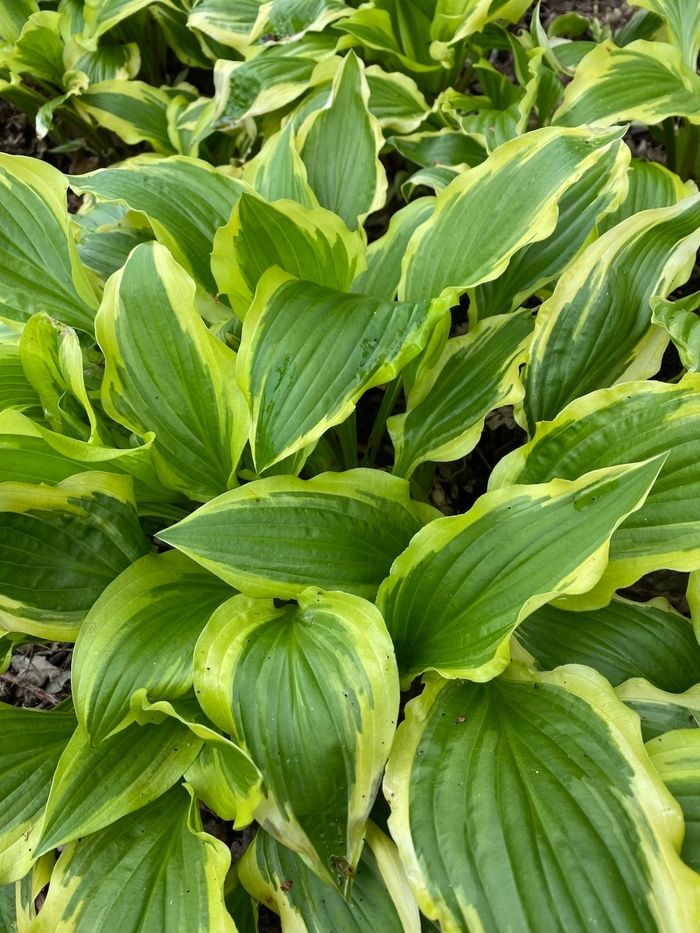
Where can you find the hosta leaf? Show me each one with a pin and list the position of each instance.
(141, 634)
(595, 330)
(134, 110)
(649, 185)
(676, 756)
(40, 266)
(397, 33)
(32, 743)
(580, 207)
(395, 100)
(308, 353)
(340, 145)
(659, 711)
(60, 547)
(39, 50)
(93, 787)
(446, 147)
(103, 15)
(682, 18)
(16, 392)
(457, 19)
(612, 426)
(683, 326)
(456, 595)
(52, 360)
(151, 870)
(465, 242)
(311, 244)
(645, 81)
(622, 640)
(311, 692)
(167, 373)
(235, 26)
(381, 898)
(223, 775)
(449, 401)
(278, 171)
(13, 16)
(268, 81)
(383, 273)
(551, 770)
(33, 454)
(241, 24)
(277, 536)
(185, 224)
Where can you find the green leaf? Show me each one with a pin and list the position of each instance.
(683, 326)
(134, 110)
(40, 266)
(166, 372)
(103, 15)
(277, 536)
(223, 775)
(13, 16)
(94, 787)
(105, 249)
(596, 330)
(310, 243)
(676, 757)
(658, 711)
(141, 634)
(311, 692)
(445, 147)
(456, 595)
(33, 454)
(38, 51)
(644, 81)
(185, 224)
(381, 898)
(622, 640)
(581, 208)
(448, 403)
(16, 392)
(60, 547)
(682, 19)
(268, 81)
(278, 171)
(395, 100)
(308, 353)
(551, 771)
(32, 743)
(383, 273)
(397, 33)
(119, 879)
(340, 146)
(649, 185)
(457, 19)
(613, 426)
(465, 242)
(52, 360)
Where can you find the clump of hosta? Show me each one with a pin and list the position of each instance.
(249, 584)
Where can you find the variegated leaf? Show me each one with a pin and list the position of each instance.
(167, 373)
(613, 426)
(308, 353)
(596, 329)
(275, 537)
(311, 692)
(529, 803)
(457, 593)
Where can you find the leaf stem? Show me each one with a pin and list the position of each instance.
(347, 435)
(379, 427)
(669, 125)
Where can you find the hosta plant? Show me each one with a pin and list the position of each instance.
(222, 409)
